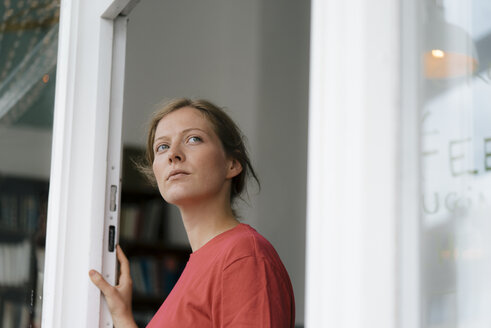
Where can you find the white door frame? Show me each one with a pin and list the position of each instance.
(353, 184)
(85, 160)
(353, 188)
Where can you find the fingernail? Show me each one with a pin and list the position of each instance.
(92, 272)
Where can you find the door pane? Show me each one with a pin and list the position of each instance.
(28, 53)
(456, 163)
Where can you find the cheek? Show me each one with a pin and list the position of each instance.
(216, 166)
(157, 169)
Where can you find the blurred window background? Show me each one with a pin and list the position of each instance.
(28, 54)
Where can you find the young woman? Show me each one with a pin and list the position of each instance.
(234, 277)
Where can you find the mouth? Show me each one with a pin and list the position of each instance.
(176, 174)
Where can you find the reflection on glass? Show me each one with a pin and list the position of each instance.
(28, 52)
(449, 50)
(456, 165)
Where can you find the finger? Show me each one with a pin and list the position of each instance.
(100, 282)
(121, 256)
(124, 276)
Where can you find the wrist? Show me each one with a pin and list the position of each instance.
(125, 322)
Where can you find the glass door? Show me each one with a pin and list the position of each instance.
(28, 54)
(455, 162)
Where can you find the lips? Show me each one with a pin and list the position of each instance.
(175, 173)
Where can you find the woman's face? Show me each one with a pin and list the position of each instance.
(190, 163)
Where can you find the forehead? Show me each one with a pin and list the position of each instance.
(182, 119)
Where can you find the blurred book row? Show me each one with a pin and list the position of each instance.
(20, 212)
(15, 263)
(143, 318)
(143, 220)
(155, 276)
(23, 211)
(15, 315)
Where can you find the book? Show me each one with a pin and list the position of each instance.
(15, 315)
(15, 263)
(155, 276)
(143, 220)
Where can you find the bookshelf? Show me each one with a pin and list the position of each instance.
(155, 263)
(23, 209)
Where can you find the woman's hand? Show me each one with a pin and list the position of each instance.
(118, 297)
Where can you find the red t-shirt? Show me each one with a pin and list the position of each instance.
(235, 280)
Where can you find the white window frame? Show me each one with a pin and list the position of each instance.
(85, 160)
(353, 186)
(409, 301)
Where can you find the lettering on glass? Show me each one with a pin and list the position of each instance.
(452, 201)
(431, 206)
(487, 154)
(457, 153)
(426, 134)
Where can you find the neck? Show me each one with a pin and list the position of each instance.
(205, 220)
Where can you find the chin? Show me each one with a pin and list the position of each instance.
(177, 197)
(172, 194)
(183, 197)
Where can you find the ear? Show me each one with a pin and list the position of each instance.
(234, 168)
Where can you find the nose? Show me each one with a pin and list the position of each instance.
(175, 154)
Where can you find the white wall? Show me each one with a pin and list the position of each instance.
(251, 57)
(193, 49)
(282, 133)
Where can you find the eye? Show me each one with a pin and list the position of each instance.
(194, 139)
(161, 147)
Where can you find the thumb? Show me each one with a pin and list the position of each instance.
(99, 281)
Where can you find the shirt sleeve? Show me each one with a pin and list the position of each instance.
(254, 294)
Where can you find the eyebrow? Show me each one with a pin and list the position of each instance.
(182, 132)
